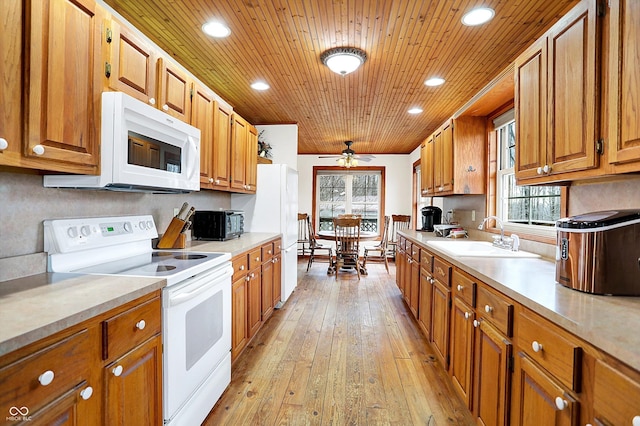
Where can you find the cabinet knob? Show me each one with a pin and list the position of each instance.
(247, 278)
(635, 421)
(242, 267)
(46, 378)
(38, 150)
(488, 309)
(253, 275)
(460, 287)
(546, 168)
(476, 323)
(165, 107)
(152, 101)
(269, 251)
(467, 315)
(86, 393)
(537, 347)
(561, 403)
(274, 260)
(539, 170)
(140, 325)
(432, 280)
(117, 371)
(210, 180)
(3, 144)
(257, 259)
(217, 181)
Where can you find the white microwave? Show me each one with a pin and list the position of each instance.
(142, 150)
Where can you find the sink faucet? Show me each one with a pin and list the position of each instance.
(498, 221)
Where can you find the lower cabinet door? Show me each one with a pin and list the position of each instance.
(239, 329)
(462, 343)
(441, 314)
(133, 386)
(539, 400)
(493, 377)
(69, 409)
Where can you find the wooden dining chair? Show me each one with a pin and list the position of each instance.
(303, 233)
(400, 222)
(349, 216)
(314, 246)
(347, 233)
(379, 251)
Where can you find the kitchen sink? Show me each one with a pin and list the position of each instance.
(465, 248)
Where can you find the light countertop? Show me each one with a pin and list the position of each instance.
(36, 306)
(607, 322)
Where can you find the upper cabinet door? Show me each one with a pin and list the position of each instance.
(624, 82)
(221, 147)
(64, 83)
(202, 114)
(239, 153)
(131, 64)
(531, 109)
(174, 90)
(572, 98)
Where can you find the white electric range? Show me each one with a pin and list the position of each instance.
(196, 303)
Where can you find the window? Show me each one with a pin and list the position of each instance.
(337, 191)
(518, 205)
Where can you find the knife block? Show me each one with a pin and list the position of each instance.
(181, 241)
(172, 234)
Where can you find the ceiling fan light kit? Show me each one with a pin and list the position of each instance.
(348, 158)
(343, 60)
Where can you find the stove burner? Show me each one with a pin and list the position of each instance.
(187, 256)
(161, 253)
(158, 268)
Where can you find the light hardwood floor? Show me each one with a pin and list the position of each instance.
(343, 352)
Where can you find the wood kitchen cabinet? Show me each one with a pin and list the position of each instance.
(426, 292)
(267, 281)
(221, 170)
(54, 125)
(69, 377)
(174, 90)
(130, 63)
(454, 158)
(203, 107)
(441, 310)
(277, 272)
(254, 292)
(413, 275)
(556, 99)
(239, 328)
(244, 159)
(623, 135)
(616, 394)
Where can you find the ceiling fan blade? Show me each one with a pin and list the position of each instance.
(330, 156)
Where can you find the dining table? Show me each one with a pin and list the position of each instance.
(331, 236)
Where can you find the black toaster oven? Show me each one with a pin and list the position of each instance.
(217, 225)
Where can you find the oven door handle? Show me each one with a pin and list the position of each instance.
(175, 300)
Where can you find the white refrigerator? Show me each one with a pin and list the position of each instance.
(274, 208)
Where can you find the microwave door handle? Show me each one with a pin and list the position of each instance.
(191, 165)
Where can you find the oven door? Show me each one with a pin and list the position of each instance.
(196, 333)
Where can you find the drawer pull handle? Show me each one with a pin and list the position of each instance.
(561, 403)
(537, 347)
(117, 371)
(460, 287)
(635, 421)
(86, 393)
(46, 378)
(488, 309)
(140, 325)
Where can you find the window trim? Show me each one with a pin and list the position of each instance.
(383, 186)
(525, 232)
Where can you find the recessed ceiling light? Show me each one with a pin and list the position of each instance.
(260, 85)
(478, 16)
(434, 81)
(216, 29)
(415, 110)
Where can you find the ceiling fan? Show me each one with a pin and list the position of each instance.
(349, 158)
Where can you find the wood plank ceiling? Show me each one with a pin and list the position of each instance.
(406, 41)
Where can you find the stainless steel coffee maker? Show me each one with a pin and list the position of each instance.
(431, 215)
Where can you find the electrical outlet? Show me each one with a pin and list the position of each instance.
(473, 215)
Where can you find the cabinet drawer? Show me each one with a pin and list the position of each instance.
(267, 252)
(414, 250)
(277, 247)
(426, 260)
(240, 266)
(464, 287)
(255, 258)
(495, 308)
(442, 271)
(616, 397)
(127, 330)
(47, 374)
(551, 347)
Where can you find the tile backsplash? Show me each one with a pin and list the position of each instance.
(25, 203)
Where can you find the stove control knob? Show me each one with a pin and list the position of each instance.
(149, 224)
(142, 225)
(127, 227)
(85, 230)
(72, 232)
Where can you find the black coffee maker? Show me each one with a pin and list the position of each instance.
(431, 215)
